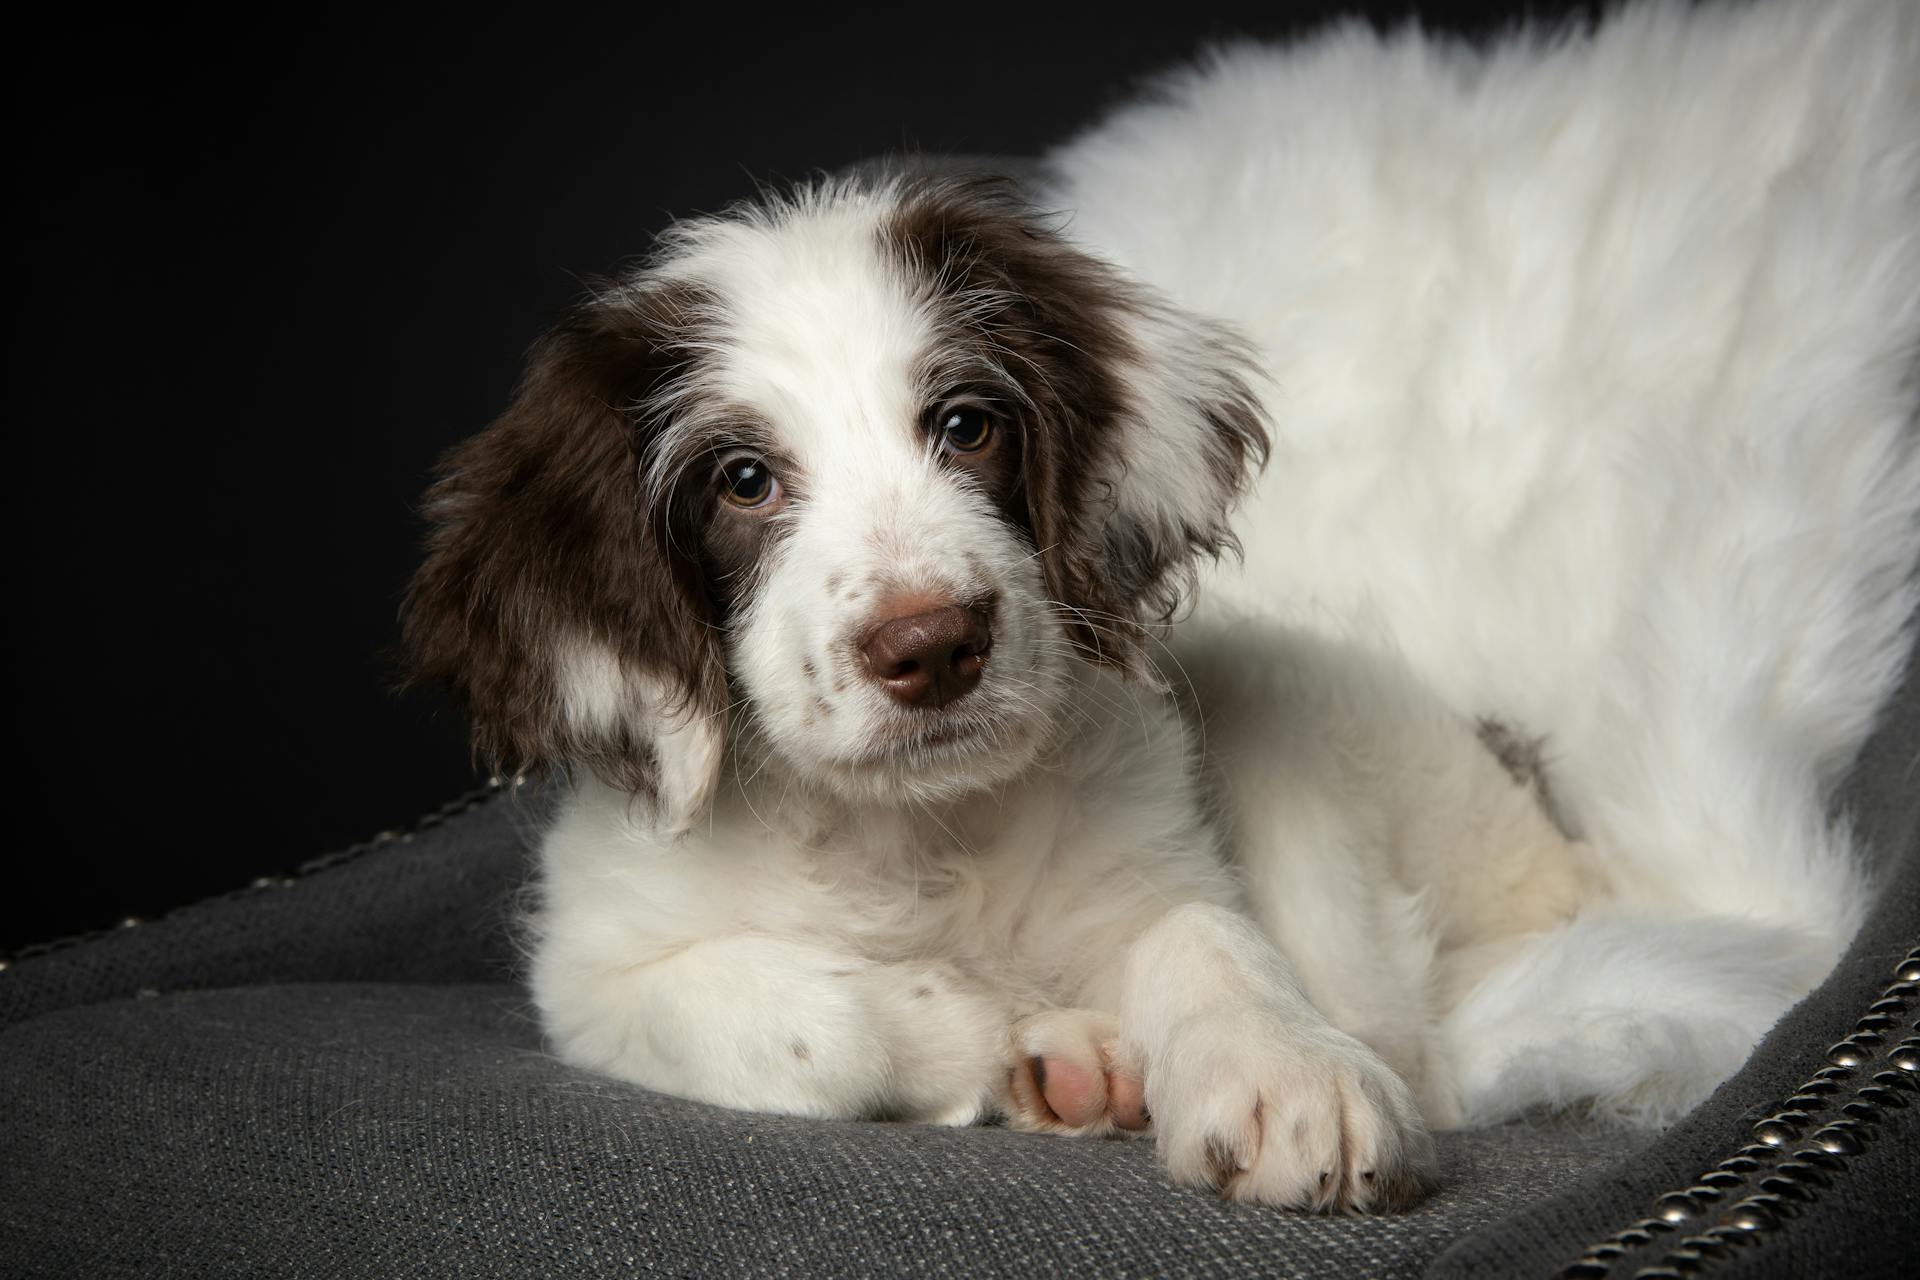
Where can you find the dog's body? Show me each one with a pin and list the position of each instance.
(832, 553)
(796, 952)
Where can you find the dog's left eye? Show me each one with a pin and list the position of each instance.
(964, 430)
(747, 481)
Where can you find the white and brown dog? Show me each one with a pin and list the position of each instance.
(832, 555)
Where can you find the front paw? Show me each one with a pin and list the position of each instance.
(1265, 1112)
(1067, 1074)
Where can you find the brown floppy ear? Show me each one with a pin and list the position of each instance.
(1140, 425)
(553, 601)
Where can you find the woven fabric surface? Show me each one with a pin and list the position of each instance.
(334, 1075)
(390, 1129)
(431, 904)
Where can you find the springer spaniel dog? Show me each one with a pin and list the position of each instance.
(834, 558)
(832, 552)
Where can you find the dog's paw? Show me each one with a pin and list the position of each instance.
(1269, 1114)
(1066, 1074)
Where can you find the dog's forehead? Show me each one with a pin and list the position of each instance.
(821, 329)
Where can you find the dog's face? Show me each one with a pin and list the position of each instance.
(853, 475)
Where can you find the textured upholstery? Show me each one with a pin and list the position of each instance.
(333, 1074)
(391, 1129)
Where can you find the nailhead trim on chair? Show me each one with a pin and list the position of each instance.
(452, 809)
(1755, 1191)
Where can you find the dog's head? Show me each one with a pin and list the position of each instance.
(858, 472)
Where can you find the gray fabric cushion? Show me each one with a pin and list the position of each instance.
(336, 1080)
(333, 1074)
(431, 904)
(390, 1129)
(330, 1075)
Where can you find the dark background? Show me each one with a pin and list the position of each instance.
(271, 271)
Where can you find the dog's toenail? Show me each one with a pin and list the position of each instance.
(1222, 1161)
(1038, 1066)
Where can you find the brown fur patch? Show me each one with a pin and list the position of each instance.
(1524, 759)
(539, 538)
(1056, 321)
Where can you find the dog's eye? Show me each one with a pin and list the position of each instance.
(965, 430)
(748, 481)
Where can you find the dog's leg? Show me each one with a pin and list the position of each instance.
(772, 1024)
(1360, 946)
(1327, 764)
(1252, 1092)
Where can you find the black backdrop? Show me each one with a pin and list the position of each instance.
(272, 270)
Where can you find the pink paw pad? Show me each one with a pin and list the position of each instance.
(1073, 1085)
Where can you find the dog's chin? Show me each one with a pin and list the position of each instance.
(934, 757)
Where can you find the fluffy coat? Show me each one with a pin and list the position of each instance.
(1582, 372)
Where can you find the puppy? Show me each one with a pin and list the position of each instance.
(831, 556)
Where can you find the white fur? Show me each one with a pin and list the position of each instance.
(596, 692)
(1590, 361)
(822, 338)
(1593, 375)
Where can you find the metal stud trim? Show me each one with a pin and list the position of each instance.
(403, 835)
(1797, 1149)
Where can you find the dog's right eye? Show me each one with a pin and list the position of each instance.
(747, 481)
(964, 430)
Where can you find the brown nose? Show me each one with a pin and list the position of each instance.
(929, 659)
